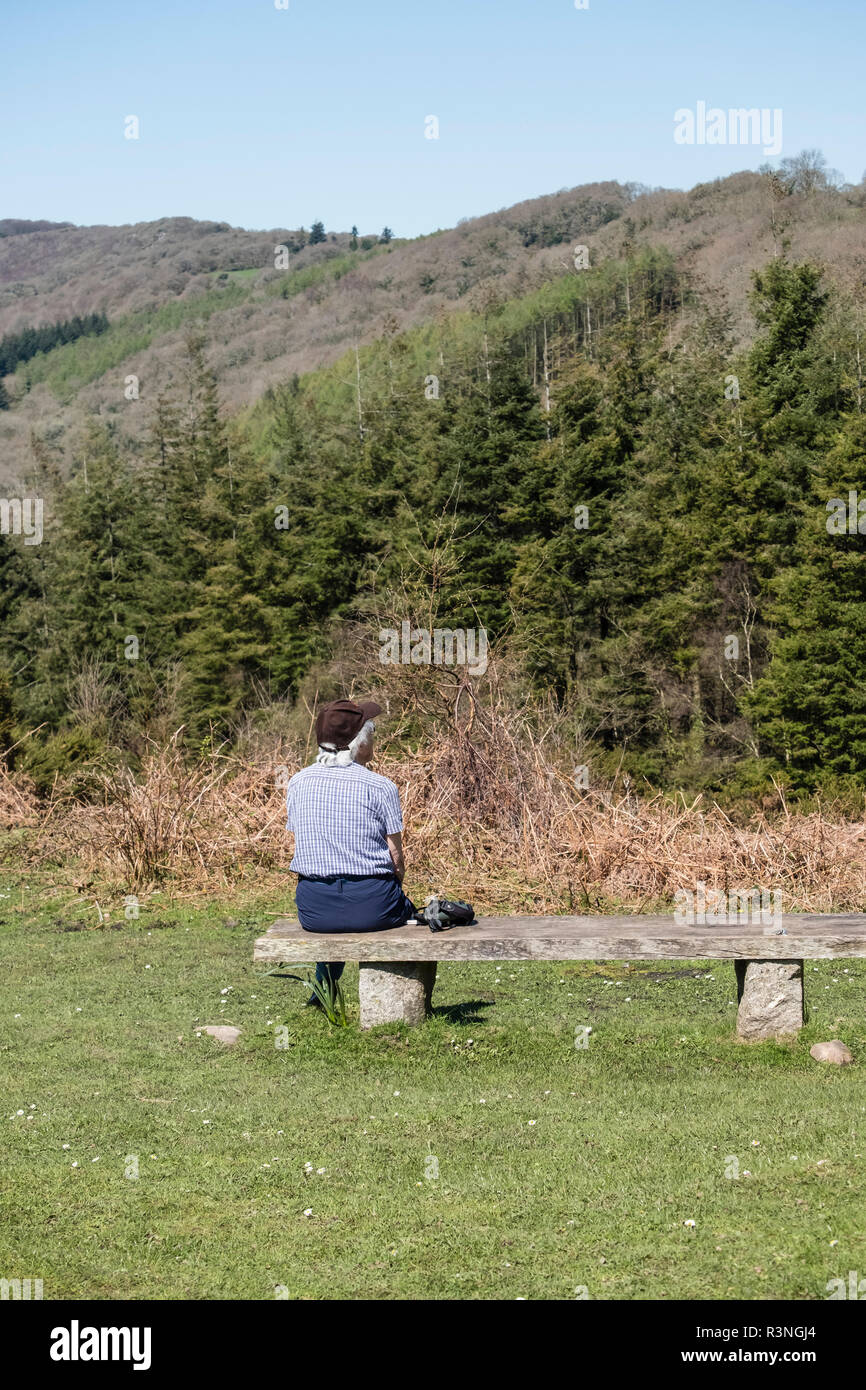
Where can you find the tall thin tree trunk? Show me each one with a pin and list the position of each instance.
(358, 389)
(546, 382)
(487, 367)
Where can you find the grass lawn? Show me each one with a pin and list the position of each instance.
(482, 1155)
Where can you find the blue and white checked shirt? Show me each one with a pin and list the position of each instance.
(340, 817)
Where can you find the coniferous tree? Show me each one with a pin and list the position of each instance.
(95, 571)
(809, 707)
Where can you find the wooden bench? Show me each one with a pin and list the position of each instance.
(398, 967)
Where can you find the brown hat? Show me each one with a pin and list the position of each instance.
(341, 721)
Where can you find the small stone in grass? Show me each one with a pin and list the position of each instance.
(222, 1032)
(834, 1051)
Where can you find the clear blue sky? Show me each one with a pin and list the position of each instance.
(266, 117)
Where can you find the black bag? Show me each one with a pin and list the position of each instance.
(442, 913)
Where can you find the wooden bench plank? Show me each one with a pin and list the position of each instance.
(827, 936)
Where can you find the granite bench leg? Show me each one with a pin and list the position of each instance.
(397, 991)
(770, 996)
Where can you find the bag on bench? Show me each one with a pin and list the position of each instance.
(442, 913)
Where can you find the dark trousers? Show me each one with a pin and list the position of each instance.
(349, 903)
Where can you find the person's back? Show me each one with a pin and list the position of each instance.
(341, 817)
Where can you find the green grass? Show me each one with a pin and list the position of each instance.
(557, 1166)
(241, 276)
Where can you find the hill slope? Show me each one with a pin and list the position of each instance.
(264, 324)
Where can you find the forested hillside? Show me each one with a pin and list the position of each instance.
(633, 510)
(283, 301)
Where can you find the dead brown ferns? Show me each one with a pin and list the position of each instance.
(489, 814)
(18, 803)
(189, 820)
